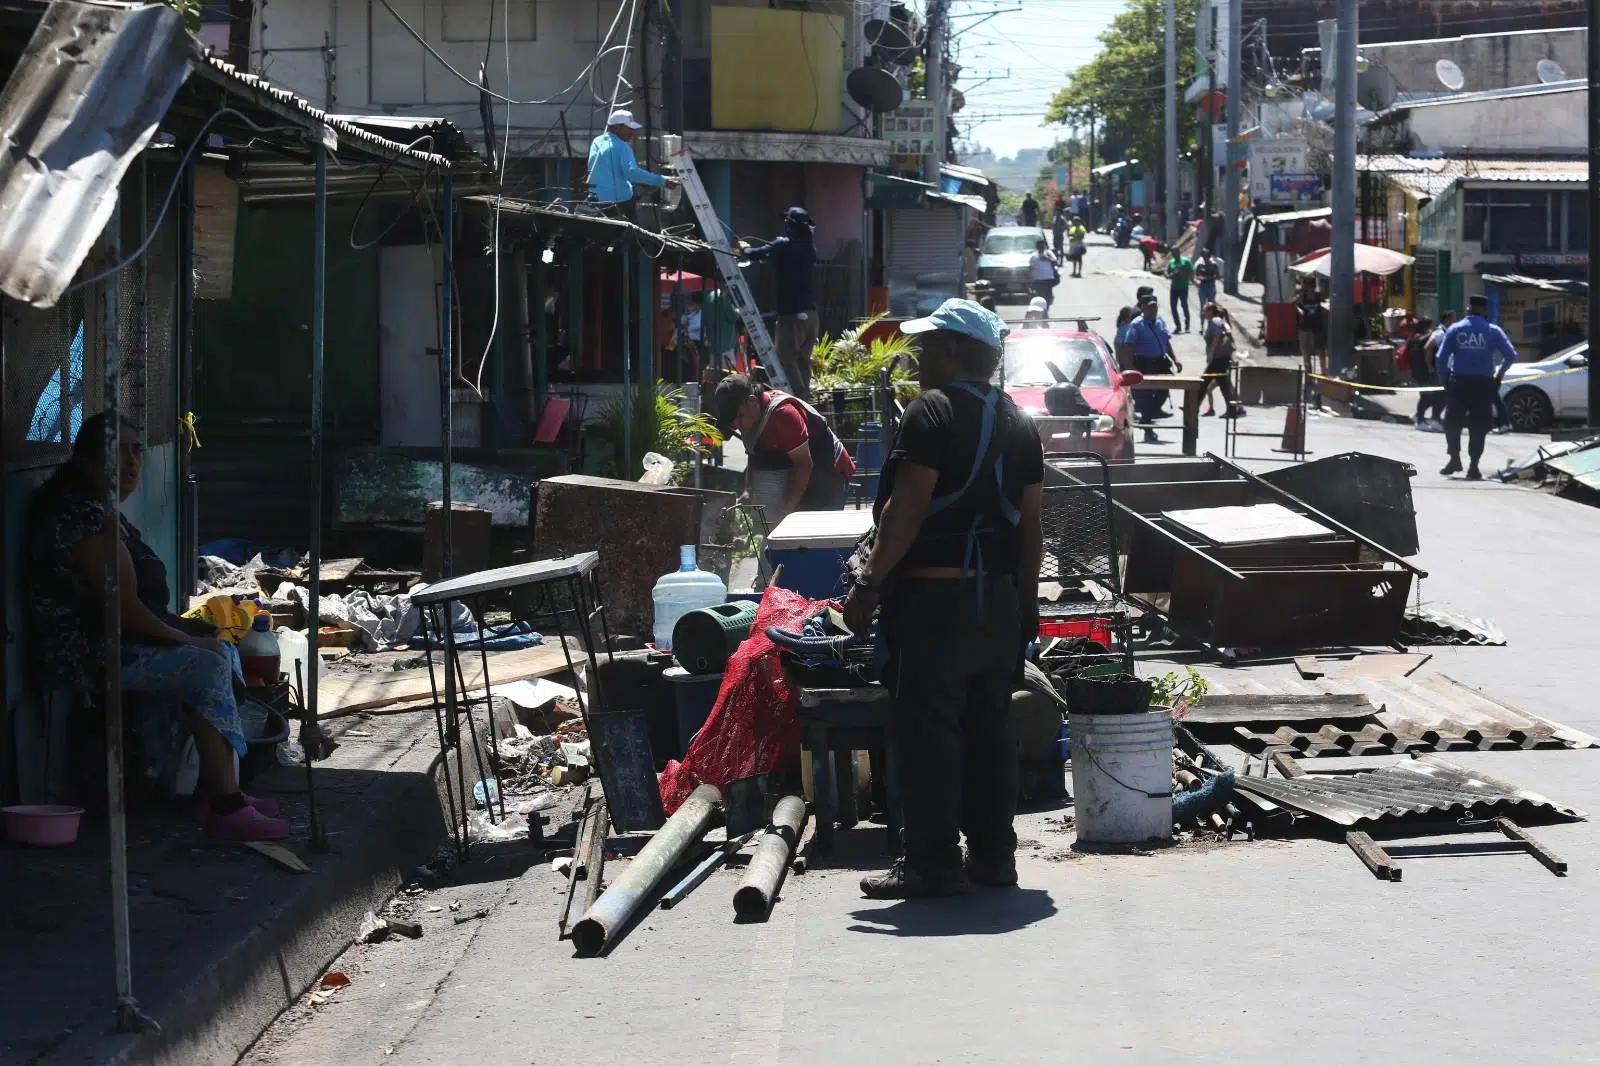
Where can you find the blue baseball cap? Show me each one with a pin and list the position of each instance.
(964, 317)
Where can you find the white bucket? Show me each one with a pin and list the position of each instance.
(1122, 776)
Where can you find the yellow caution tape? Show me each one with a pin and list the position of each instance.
(1435, 388)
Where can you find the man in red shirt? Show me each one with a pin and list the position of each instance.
(784, 435)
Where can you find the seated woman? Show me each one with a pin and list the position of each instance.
(66, 616)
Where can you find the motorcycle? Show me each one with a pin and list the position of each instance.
(1122, 232)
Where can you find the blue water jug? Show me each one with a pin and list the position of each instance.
(686, 589)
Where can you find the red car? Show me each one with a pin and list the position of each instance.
(1038, 357)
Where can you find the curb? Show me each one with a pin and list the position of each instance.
(223, 1007)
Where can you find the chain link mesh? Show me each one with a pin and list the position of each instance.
(1079, 539)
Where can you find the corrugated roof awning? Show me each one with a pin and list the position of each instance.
(976, 203)
(1294, 216)
(1566, 285)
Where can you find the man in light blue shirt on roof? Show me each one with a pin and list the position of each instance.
(613, 170)
(1466, 362)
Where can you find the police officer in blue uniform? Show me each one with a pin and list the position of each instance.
(1471, 380)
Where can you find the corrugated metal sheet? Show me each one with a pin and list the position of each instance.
(262, 92)
(82, 103)
(1422, 787)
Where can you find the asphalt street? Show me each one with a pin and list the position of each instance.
(1249, 953)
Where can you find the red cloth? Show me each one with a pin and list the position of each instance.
(755, 726)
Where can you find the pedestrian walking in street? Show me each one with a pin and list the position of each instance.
(1180, 272)
(1472, 381)
(1149, 247)
(794, 462)
(1220, 351)
(1311, 326)
(955, 566)
(1042, 273)
(1077, 245)
(1151, 346)
(1058, 231)
(1029, 215)
(1434, 399)
(795, 258)
(1122, 345)
(1419, 363)
(1207, 271)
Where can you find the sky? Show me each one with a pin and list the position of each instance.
(1027, 53)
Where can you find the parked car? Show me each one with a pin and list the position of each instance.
(1003, 259)
(1556, 387)
(1038, 358)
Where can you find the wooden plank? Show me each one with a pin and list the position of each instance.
(339, 569)
(1255, 524)
(1382, 667)
(1287, 765)
(343, 695)
(1375, 858)
(1549, 859)
(1308, 667)
(1246, 707)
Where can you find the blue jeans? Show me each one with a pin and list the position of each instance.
(1208, 293)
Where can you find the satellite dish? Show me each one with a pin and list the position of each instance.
(882, 33)
(1376, 89)
(1449, 74)
(874, 89)
(1550, 70)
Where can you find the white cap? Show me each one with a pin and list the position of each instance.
(622, 118)
(1038, 304)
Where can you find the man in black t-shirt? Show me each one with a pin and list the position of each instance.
(956, 564)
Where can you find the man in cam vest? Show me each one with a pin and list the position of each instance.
(782, 433)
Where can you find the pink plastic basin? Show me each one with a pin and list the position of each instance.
(48, 825)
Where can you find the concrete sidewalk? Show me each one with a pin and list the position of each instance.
(222, 938)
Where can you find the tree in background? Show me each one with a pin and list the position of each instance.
(1123, 85)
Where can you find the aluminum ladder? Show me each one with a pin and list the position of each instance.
(721, 242)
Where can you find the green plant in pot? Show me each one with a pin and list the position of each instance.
(663, 421)
(1178, 691)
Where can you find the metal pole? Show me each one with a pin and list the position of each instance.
(627, 364)
(319, 279)
(1230, 181)
(613, 910)
(447, 227)
(1208, 149)
(1169, 171)
(754, 896)
(116, 811)
(1093, 215)
(1594, 205)
(935, 87)
(188, 498)
(1342, 254)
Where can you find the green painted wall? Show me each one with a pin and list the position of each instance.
(253, 351)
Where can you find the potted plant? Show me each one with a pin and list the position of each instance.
(662, 421)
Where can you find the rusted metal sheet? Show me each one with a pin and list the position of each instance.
(85, 99)
(1409, 707)
(1341, 588)
(1424, 787)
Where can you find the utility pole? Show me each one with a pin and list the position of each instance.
(1090, 221)
(1169, 172)
(1208, 150)
(937, 20)
(1230, 181)
(1594, 206)
(1342, 245)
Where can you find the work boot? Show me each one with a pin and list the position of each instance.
(1473, 473)
(995, 872)
(1452, 467)
(1150, 437)
(907, 882)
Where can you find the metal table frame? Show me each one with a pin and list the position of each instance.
(551, 594)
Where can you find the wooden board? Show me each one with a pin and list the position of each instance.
(341, 695)
(1256, 524)
(1309, 667)
(1244, 708)
(1382, 667)
(334, 570)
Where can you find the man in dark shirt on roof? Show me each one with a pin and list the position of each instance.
(956, 565)
(795, 258)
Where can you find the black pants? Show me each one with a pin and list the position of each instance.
(1470, 402)
(1429, 401)
(951, 670)
(1217, 372)
(1047, 289)
(1147, 403)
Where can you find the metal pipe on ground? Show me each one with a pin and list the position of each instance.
(611, 913)
(767, 867)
